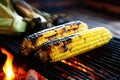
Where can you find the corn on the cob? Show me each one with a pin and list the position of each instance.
(73, 45)
(33, 41)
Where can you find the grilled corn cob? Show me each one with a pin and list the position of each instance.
(73, 45)
(33, 41)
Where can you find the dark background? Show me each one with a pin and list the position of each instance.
(52, 6)
(105, 13)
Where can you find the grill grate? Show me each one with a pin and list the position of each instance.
(100, 64)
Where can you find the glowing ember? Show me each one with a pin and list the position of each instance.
(84, 70)
(7, 68)
(76, 64)
(73, 65)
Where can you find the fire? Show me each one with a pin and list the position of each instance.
(17, 73)
(7, 67)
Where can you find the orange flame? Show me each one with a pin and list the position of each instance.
(7, 67)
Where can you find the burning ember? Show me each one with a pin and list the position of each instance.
(17, 73)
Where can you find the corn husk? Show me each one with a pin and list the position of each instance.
(10, 22)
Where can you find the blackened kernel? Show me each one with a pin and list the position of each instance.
(65, 48)
(78, 23)
(75, 29)
(64, 29)
(69, 30)
(57, 41)
(23, 47)
(57, 44)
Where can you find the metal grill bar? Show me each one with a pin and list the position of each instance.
(71, 73)
(112, 52)
(93, 72)
(106, 64)
(102, 68)
(112, 61)
(66, 74)
(94, 68)
(113, 56)
(74, 71)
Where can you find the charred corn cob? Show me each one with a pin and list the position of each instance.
(73, 45)
(33, 41)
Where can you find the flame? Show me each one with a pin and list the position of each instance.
(7, 67)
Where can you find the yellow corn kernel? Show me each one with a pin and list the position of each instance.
(73, 45)
(37, 39)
